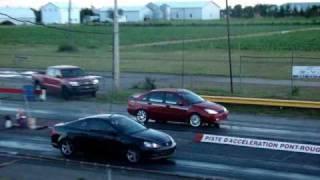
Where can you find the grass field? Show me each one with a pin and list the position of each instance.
(289, 37)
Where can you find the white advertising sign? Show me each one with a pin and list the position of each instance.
(259, 143)
(308, 72)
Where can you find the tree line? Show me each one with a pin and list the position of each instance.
(265, 10)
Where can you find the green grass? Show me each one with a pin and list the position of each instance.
(94, 53)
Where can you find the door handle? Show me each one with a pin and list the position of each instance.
(149, 103)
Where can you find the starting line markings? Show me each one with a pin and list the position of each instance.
(258, 143)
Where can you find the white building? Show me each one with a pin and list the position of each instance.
(58, 13)
(136, 14)
(22, 15)
(202, 10)
(104, 15)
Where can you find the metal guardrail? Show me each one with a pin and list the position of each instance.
(264, 102)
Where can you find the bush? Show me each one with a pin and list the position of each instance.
(295, 91)
(147, 84)
(67, 48)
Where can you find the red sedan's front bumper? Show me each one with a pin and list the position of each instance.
(215, 118)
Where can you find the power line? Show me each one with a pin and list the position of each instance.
(52, 27)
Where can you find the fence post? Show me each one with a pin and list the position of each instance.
(240, 74)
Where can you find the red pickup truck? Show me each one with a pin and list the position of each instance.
(66, 80)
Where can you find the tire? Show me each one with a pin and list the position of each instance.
(65, 93)
(37, 85)
(195, 120)
(142, 116)
(67, 148)
(133, 155)
(216, 125)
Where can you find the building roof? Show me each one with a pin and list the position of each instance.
(188, 4)
(62, 5)
(17, 12)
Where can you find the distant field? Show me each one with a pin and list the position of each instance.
(36, 47)
(142, 34)
(40, 45)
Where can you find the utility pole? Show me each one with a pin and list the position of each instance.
(183, 49)
(116, 58)
(70, 39)
(69, 13)
(229, 47)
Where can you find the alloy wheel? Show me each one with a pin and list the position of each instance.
(133, 156)
(66, 148)
(195, 120)
(142, 116)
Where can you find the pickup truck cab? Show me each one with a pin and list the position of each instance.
(66, 80)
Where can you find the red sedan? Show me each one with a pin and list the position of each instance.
(178, 105)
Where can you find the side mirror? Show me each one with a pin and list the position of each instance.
(180, 103)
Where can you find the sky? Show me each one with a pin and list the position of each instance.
(108, 3)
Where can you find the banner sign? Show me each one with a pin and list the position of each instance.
(308, 72)
(259, 143)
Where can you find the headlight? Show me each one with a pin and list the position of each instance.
(172, 140)
(72, 83)
(95, 81)
(151, 145)
(225, 109)
(210, 111)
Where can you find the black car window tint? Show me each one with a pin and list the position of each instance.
(145, 98)
(156, 97)
(99, 125)
(79, 124)
(171, 98)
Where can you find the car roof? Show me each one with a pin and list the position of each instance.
(168, 90)
(64, 67)
(102, 116)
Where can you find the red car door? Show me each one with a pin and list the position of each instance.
(156, 105)
(175, 109)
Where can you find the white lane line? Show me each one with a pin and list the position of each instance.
(25, 145)
(269, 131)
(259, 143)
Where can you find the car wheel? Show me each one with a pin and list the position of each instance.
(216, 125)
(195, 120)
(66, 148)
(65, 93)
(142, 116)
(133, 155)
(37, 86)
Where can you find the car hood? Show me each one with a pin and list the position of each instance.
(209, 105)
(152, 135)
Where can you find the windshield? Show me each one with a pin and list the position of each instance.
(191, 97)
(126, 125)
(70, 73)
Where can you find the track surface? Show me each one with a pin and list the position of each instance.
(191, 158)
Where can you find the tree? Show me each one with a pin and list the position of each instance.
(314, 11)
(261, 10)
(37, 14)
(248, 12)
(237, 11)
(86, 12)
